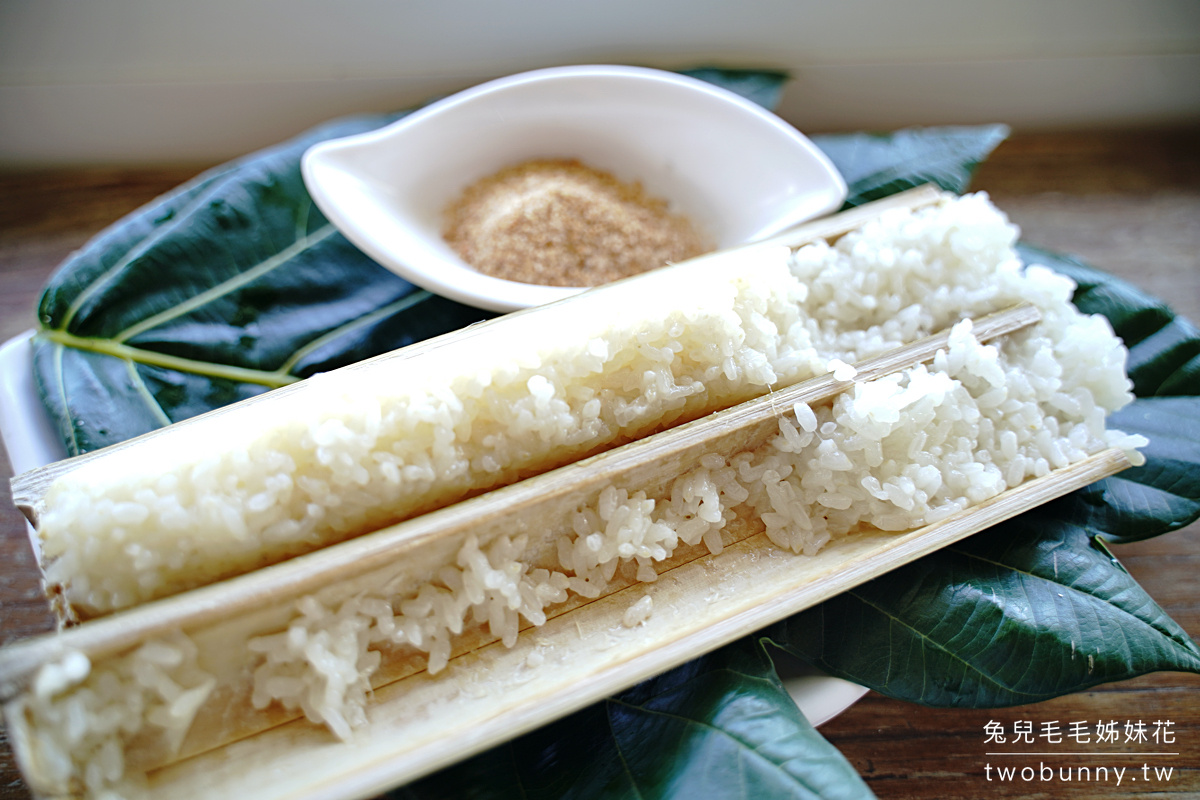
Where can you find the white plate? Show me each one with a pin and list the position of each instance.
(735, 169)
(28, 431)
(32, 441)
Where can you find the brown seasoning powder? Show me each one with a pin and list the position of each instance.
(561, 223)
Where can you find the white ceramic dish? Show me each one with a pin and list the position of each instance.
(737, 171)
(31, 440)
(28, 431)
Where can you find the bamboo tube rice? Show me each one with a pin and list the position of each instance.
(896, 453)
(350, 451)
(357, 448)
(904, 450)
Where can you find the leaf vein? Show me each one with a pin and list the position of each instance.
(620, 754)
(179, 218)
(62, 396)
(139, 386)
(1076, 590)
(937, 646)
(272, 262)
(395, 307)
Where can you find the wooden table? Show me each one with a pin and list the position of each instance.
(1129, 202)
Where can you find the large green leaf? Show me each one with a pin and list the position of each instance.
(235, 283)
(1026, 611)
(764, 87)
(721, 726)
(876, 165)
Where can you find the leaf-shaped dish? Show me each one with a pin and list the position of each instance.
(737, 171)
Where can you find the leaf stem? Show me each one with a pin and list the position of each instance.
(120, 350)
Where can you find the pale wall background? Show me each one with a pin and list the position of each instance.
(141, 81)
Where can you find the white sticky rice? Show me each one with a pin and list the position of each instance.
(76, 720)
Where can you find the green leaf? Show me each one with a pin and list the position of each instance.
(721, 726)
(876, 165)
(234, 283)
(763, 87)
(1023, 612)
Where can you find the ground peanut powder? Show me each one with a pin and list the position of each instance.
(561, 223)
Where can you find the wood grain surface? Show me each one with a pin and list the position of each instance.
(1126, 201)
